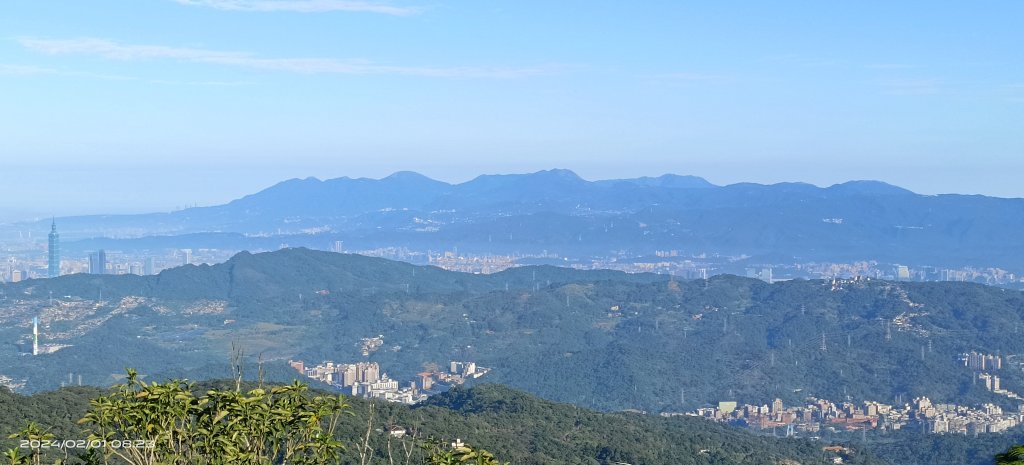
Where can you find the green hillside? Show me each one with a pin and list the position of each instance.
(606, 340)
(515, 426)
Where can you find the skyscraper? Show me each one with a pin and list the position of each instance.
(54, 252)
(186, 256)
(98, 262)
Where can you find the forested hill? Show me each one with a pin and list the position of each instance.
(606, 340)
(530, 431)
(276, 274)
(515, 426)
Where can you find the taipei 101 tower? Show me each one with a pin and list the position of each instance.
(54, 258)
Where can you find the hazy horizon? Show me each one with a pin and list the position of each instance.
(133, 112)
(188, 187)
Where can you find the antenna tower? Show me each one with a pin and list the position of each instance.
(35, 336)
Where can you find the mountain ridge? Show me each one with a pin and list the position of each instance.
(563, 327)
(558, 211)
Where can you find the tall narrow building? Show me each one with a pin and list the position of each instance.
(98, 262)
(54, 252)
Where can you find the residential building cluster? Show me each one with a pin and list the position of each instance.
(365, 379)
(994, 384)
(981, 362)
(458, 373)
(820, 414)
(951, 418)
(480, 264)
(764, 274)
(991, 381)
(666, 264)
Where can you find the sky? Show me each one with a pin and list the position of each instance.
(152, 105)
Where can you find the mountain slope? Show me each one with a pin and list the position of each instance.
(604, 339)
(515, 426)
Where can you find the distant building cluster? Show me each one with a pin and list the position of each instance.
(366, 379)
(981, 362)
(459, 372)
(481, 264)
(991, 381)
(950, 418)
(54, 264)
(764, 274)
(898, 272)
(394, 253)
(361, 379)
(820, 414)
(921, 413)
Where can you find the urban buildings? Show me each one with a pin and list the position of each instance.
(367, 380)
(53, 255)
(361, 379)
(819, 414)
(98, 262)
(981, 362)
(149, 266)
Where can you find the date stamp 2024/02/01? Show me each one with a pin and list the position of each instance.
(85, 444)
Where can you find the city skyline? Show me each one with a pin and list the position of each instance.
(928, 97)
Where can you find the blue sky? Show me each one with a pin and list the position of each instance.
(115, 106)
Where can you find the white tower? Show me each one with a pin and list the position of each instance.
(35, 336)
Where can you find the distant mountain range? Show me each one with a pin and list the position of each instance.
(558, 211)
